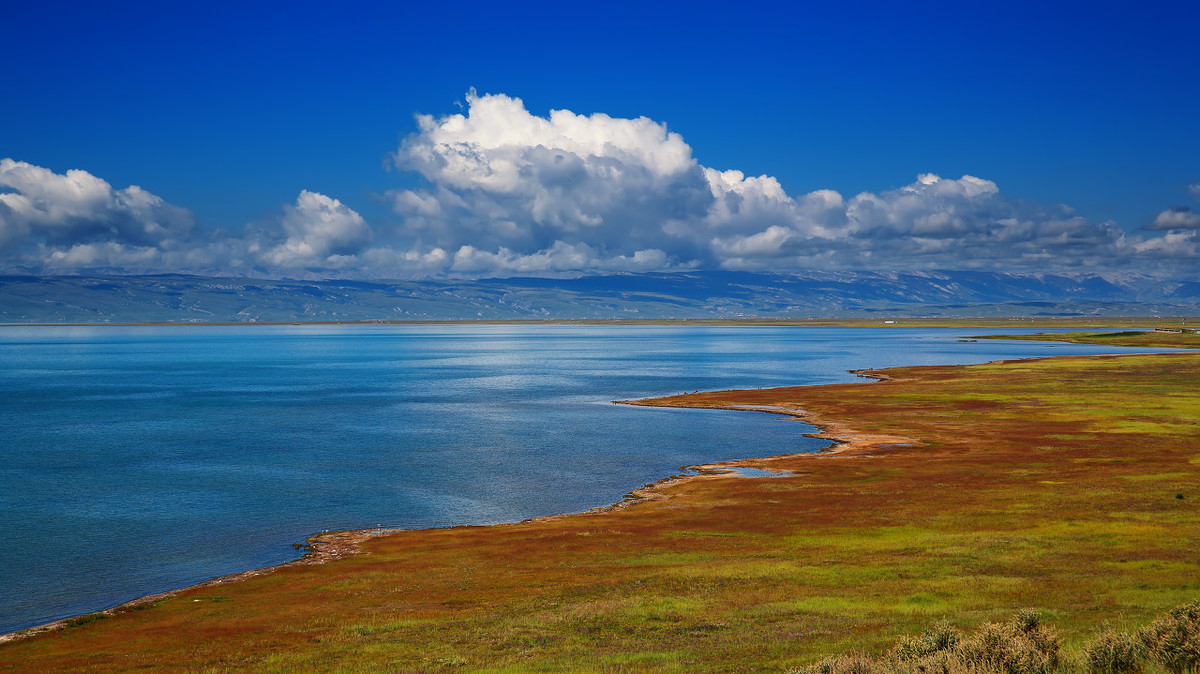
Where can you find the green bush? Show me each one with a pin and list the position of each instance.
(80, 621)
(1113, 653)
(941, 637)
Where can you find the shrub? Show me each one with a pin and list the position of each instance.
(941, 637)
(842, 664)
(1027, 620)
(1021, 646)
(80, 621)
(1027, 645)
(1174, 639)
(1113, 653)
(941, 662)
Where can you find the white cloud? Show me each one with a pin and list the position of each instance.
(43, 197)
(77, 222)
(76, 219)
(1194, 188)
(506, 191)
(1176, 218)
(321, 232)
(930, 207)
(105, 255)
(500, 177)
(559, 257)
(512, 191)
(930, 223)
(1181, 240)
(1174, 245)
(387, 262)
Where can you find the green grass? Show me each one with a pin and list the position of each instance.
(1144, 338)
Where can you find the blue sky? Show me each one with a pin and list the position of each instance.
(271, 140)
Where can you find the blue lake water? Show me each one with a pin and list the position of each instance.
(135, 460)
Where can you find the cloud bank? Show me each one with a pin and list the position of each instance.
(504, 191)
(76, 220)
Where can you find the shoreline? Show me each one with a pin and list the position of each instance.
(318, 549)
(333, 545)
(328, 546)
(844, 440)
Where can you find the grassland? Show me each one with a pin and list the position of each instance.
(1150, 339)
(1068, 485)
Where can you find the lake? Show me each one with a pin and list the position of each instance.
(136, 460)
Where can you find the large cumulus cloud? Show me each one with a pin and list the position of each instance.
(78, 220)
(508, 190)
(504, 191)
(319, 232)
(932, 222)
(502, 179)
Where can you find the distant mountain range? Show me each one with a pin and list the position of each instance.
(718, 294)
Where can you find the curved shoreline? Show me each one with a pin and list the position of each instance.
(318, 549)
(329, 546)
(333, 545)
(839, 435)
(845, 441)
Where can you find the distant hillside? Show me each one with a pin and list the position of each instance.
(175, 298)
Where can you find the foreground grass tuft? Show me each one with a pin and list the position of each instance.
(1023, 645)
(1027, 645)
(1114, 653)
(1174, 639)
(942, 637)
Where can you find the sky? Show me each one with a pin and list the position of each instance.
(404, 140)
